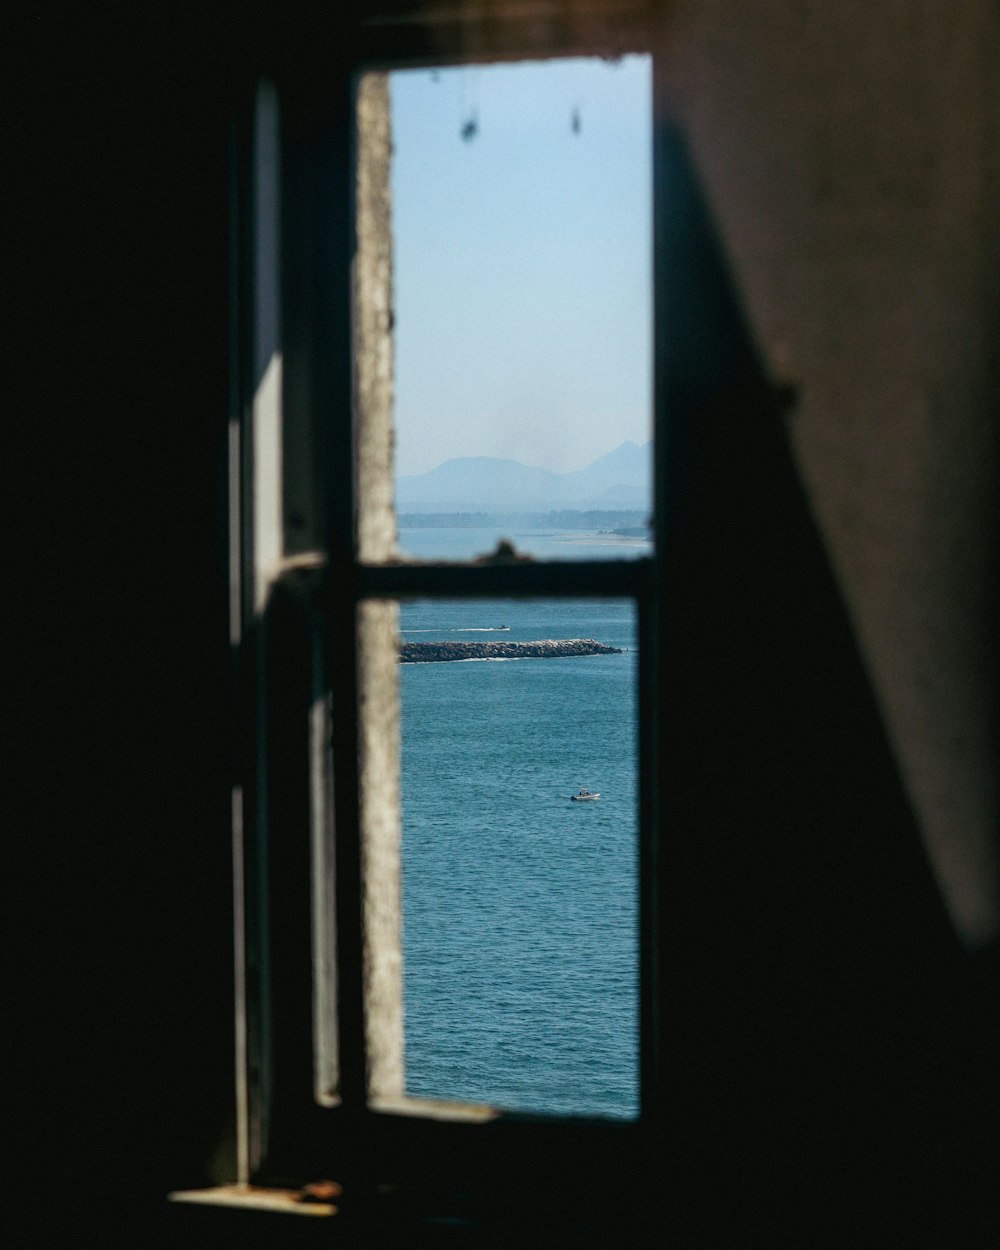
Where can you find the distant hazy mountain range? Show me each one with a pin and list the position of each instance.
(620, 480)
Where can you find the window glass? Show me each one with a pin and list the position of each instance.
(503, 314)
(520, 836)
(522, 307)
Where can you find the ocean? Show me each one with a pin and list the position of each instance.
(521, 907)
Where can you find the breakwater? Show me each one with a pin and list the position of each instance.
(436, 652)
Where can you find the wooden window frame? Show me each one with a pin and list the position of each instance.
(295, 640)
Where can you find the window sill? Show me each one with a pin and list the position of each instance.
(434, 1109)
(251, 1198)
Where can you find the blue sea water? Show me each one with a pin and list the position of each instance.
(520, 906)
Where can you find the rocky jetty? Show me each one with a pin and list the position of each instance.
(436, 652)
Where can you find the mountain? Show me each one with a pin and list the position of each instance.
(620, 479)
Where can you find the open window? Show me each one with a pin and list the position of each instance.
(520, 260)
(760, 747)
(330, 1079)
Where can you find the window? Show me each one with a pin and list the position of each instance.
(520, 207)
(761, 745)
(320, 1070)
(489, 899)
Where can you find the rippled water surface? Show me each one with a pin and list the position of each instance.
(520, 906)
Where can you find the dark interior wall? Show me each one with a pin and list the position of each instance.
(119, 846)
(852, 168)
(831, 1045)
(825, 1028)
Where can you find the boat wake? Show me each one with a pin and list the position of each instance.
(465, 629)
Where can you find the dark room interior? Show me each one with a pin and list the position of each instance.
(822, 899)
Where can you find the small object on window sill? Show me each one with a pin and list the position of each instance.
(319, 1191)
(506, 553)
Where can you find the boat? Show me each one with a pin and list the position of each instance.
(584, 796)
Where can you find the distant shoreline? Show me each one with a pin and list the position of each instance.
(605, 523)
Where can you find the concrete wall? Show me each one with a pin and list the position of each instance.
(850, 155)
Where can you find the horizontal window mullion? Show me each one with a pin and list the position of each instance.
(579, 579)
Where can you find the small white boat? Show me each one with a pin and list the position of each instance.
(584, 796)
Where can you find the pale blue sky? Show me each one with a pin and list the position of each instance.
(522, 261)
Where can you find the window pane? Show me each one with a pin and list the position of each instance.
(522, 307)
(520, 904)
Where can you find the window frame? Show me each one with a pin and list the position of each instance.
(295, 630)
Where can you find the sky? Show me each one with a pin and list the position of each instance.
(523, 295)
